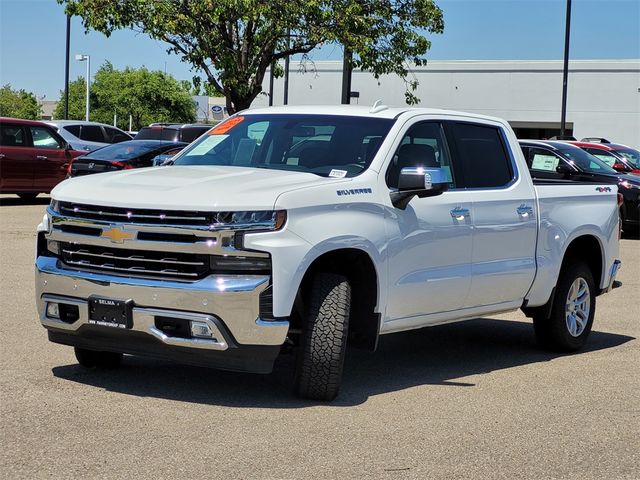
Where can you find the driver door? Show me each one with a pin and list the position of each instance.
(429, 241)
(51, 158)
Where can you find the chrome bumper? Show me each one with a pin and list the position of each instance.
(229, 304)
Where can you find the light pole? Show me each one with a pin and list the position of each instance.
(565, 71)
(82, 58)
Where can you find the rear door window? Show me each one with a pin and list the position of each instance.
(92, 133)
(115, 136)
(73, 130)
(12, 136)
(482, 155)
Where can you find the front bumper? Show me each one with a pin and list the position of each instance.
(228, 304)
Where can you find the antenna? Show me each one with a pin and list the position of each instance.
(378, 106)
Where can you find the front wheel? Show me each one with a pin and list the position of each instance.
(92, 358)
(572, 312)
(324, 338)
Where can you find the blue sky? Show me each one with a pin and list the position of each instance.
(32, 38)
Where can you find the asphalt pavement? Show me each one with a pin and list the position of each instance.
(473, 400)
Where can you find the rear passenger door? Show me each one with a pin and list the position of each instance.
(503, 215)
(16, 159)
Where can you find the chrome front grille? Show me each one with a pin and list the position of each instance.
(141, 216)
(185, 266)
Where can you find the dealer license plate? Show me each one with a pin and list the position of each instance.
(108, 312)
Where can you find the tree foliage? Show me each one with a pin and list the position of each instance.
(18, 104)
(233, 42)
(148, 96)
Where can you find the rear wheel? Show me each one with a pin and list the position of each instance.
(572, 312)
(28, 196)
(324, 338)
(92, 358)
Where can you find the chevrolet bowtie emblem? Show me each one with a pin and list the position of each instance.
(118, 235)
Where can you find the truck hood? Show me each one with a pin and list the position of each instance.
(187, 187)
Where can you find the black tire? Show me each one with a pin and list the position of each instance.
(323, 342)
(92, 358)
(29, 197)
(553, 333)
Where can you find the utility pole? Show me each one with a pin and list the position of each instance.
(565, 71)
(271, 84)
(66, 70)
(346, 76)
(286, 71)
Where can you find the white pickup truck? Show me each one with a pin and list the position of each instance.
(318, 228)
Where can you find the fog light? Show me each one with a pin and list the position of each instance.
(201, 330)
(53, 247)
(53, 310)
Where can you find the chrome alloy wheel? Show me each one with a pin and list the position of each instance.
(578, 307)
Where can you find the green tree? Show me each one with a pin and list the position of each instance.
(77, 94)
(233, 42)
(148, 96)
(18, 104)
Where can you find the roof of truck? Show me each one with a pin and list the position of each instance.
(377, 110)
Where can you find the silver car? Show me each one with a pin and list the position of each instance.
(88, 136)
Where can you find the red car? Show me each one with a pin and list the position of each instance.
(620, 157)
(33, 157)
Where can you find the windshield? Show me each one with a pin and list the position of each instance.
(585, 161)
(632, 156)
(122, 151)
(325, 145)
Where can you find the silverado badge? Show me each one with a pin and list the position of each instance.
(118, 235)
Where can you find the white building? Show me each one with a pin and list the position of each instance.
(603, 95)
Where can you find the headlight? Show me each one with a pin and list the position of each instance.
(263, 220)
(54, 206)
(628, 184)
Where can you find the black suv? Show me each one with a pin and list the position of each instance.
(172, 132)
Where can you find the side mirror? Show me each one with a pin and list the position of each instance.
(418, 182)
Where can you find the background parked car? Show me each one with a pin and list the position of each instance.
(163, 158)
(620, 157)
(561, 160)
(33, 157)
(88, 136)
(121, 156)
(172, 132)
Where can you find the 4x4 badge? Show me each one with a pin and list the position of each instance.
(118, 235)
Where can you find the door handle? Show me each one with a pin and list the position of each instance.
(459, 213)
(524, 210)
(42, 157)
(2, 155)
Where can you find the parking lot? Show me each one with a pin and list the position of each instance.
(476, 399)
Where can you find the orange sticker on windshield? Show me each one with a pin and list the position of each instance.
(227, 125)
